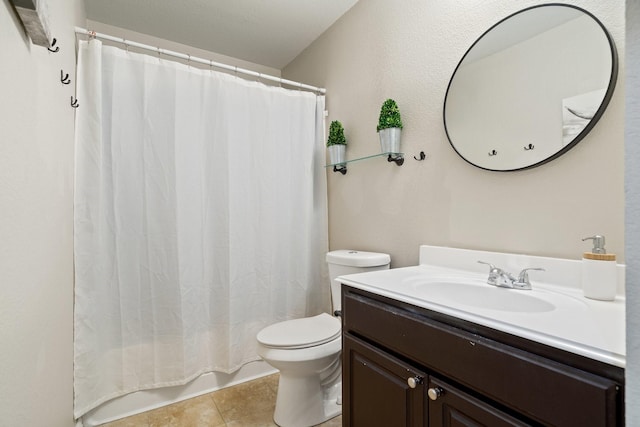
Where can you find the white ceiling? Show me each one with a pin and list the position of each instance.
(266, 32)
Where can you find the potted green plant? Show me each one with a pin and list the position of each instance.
(336, 143)
(390, 127)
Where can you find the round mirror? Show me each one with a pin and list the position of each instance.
(530, 88)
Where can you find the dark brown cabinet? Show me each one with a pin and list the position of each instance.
(408, 366)
(451, 407)
(383, 391)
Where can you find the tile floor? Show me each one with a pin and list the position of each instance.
(250, 404)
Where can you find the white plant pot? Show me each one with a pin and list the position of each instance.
(337, 154)
(390, 140)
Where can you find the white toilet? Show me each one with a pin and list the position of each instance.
(307, 351)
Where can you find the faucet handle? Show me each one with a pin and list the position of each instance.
(494, 273)
(523, 277)
(491, 266)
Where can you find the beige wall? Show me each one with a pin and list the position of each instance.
(36, 219)
(381, 49)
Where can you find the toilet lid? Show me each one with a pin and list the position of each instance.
(301, 333)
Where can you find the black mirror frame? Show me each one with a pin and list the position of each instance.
(601, 109)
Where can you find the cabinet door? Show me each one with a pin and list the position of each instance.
(379, 389)
(451, 407)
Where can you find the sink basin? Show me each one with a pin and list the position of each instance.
(449, 281)
(472, 291)
(482, 296)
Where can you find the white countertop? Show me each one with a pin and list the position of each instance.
(591, 328)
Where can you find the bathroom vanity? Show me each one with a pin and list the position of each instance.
(418, 352)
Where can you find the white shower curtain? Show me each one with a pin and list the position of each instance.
(200, 218)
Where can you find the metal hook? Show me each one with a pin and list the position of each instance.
(422, 156)
(492, 153)
(64, 78)
(74, 103)
(53, 43)
(529, 147)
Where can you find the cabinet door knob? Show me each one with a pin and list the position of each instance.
(414, 381)
(435, 393)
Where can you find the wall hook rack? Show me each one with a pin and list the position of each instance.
(399, 160)
(342, 169)
(74, 103)
(64, 78)
(420, 157)
(53, 43)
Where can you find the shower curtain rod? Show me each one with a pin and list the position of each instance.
(211, 63)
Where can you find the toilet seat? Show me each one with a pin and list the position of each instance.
(301, 333)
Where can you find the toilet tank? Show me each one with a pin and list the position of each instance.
(347, 261)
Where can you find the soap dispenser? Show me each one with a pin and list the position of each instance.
(599, 274)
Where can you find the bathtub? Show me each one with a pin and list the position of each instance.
(146, 400)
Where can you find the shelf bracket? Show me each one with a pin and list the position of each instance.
(340, 168)
(399, 160)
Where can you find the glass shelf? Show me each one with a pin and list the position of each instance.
(394, 156)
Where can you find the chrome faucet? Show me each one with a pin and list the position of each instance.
(499, 277)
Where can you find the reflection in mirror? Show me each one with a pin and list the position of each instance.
(530, 88)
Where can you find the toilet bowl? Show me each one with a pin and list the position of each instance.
(307, 351)
(309, 384)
